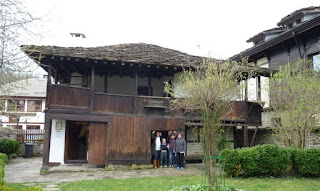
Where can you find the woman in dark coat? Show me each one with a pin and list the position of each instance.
(180, 150)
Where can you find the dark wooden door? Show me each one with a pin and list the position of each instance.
(97, 143)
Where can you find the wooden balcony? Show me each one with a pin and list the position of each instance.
(76, 100)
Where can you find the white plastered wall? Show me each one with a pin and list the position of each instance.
(57, 142)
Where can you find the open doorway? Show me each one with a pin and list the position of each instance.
(76, 142)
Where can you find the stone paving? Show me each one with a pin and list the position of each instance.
(27, 171)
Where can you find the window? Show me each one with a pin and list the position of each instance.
(34, 105)
(33, 126)
(15, 105)
(15, 126)
(2, 104)
(298, 21)
(143, 90)
(316, 62)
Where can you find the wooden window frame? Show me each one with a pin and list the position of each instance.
(31, 127)
(15, 101)
(34, 110)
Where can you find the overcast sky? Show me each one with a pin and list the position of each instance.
(208, 28)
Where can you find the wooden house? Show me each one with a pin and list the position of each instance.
(295, 38)
(106, 101)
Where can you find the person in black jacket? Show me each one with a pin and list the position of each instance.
(179, 149)
(164, 154)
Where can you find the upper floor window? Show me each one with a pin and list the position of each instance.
(15, 105)
(316, 62)
(2, 104)
(298, 21)
(34, 105)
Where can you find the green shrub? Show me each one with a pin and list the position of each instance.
(261, 160)
(1, 175)
(6, 188)
(8, 146)
(293, 154)
(3, 157)
(231, 161)
(16, 146)
(308, 162)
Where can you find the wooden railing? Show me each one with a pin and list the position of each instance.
(33, 135)
(79, 99)
(69, 96)
(113, 103)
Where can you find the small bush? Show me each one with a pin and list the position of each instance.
(308, 162)
(16, 146)
(3, 157)
(293, 154)
(231, 161)
(264, 160)
(8, 146)
(2, 175)
(6, 188)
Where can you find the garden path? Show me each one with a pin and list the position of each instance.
(27, 171)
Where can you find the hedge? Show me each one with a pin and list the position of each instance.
(3, 157)
(3, 161)
(308, 162)
(8, 146)
(263, 160)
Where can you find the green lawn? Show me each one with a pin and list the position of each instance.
(16, 186)
(167, 183)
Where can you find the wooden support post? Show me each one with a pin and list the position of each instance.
(258, 82)
(235, 138)
(56, 79)
(254, 136)
(246, 90)
(149, 85)
(47, 138)
(92, 89)
(245, 137)
(135, 92)
(48, 87)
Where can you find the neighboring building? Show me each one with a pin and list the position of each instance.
(295, 39)
(23, 105)
(107, 100)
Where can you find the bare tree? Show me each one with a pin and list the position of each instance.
(295, 100)
(207, 90)
(15, 25)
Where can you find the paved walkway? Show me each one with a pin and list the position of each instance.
(27, 171)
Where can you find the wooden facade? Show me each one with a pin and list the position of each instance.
(119, 126)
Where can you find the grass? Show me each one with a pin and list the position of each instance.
(167, 183)
(16, 186)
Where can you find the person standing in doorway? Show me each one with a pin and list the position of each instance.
(164, 153)
(157, 147)
(180, 150)
(171, 139)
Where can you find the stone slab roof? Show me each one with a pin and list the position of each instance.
(132, 52)
(33, 87)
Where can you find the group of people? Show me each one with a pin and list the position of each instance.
(173, 146)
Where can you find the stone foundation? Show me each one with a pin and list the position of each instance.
(37, 150)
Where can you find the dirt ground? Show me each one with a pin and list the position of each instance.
(27, 171)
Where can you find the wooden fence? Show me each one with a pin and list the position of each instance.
(33, 135)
